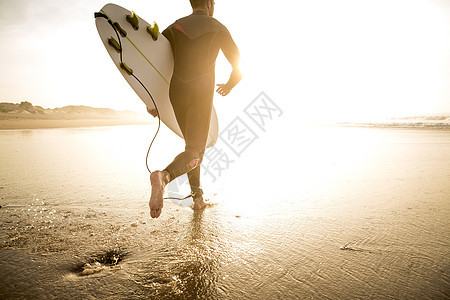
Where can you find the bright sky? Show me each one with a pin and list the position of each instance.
(318, 59)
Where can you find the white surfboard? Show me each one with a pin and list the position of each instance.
(137, 48)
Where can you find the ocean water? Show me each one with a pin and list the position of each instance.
(339, 213)
(436, 122)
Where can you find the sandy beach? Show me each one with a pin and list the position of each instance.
(365, 216)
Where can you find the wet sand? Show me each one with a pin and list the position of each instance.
(364, 213)
(49, 123)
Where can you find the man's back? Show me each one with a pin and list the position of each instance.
(196, 41)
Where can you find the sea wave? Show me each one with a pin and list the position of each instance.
(441, 122)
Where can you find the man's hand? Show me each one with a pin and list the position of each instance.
(153, 112)
(223, 89)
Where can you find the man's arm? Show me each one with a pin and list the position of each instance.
(231, 52)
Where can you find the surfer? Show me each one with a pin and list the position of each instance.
(195, 40)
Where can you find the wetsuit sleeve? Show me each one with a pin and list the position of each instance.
(168, 33)
(229, 49)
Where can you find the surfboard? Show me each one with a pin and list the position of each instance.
(144, 58)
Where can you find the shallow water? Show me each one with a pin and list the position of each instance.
(355, 213)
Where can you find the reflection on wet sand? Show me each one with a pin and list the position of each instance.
(198, 271)
(187, 272)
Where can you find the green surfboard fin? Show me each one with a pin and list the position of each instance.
(113, 43)
(133, 20)
(126, 68)
(153, 30)
(122, 32)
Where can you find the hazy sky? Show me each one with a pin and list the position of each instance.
(317, 58)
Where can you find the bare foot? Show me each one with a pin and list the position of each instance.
(158, 180)
(199, 203)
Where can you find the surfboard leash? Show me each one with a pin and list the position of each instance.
(117, 28)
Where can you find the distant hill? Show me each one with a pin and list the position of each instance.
(26, 110)
(25, 115)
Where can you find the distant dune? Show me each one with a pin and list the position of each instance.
(25, 115)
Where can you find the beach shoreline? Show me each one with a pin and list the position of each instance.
(18, 124)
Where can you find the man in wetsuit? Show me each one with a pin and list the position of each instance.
(196, 41)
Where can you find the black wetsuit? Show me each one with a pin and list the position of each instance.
(196, 41)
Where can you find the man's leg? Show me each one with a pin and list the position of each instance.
(185, 162)
(194, 181)
(158, 180)
(193, 119)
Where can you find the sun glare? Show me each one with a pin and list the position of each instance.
(326, 59)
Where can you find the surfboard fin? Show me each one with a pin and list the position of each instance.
(113, 43)
(126, 68)
(122, 32)
(133, 20)
(153, 30)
